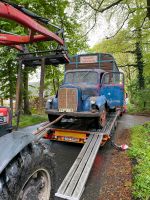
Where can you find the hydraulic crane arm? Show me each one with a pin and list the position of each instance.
(27, 12)
(7, 11)
(10, 39)
(18, 47)
(37, 33)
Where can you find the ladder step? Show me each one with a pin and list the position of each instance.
(73, 185)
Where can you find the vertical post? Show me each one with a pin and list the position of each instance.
(18, 95)
(1, 102)
(41, 90)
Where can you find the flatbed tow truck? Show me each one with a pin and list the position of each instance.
(26, 164)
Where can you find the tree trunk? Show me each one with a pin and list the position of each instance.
(10, 71)
(41, 90)
(54, 85)
(140, 65)
(139, 57)
(2, 102)
(26, 106)
(18, 95)
(148, 9)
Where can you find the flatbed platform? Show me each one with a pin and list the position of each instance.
(73, 185)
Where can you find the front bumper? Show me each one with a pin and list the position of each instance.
(73, 114)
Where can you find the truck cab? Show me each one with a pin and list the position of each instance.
(87, 92)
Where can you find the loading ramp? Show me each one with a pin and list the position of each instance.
(73, 185)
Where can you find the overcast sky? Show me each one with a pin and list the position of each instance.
(103, 29)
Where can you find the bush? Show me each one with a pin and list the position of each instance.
(139, 99)
(140, 151)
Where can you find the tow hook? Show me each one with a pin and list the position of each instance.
(122, 147)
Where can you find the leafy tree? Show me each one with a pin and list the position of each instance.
(131, 50)
(8, 68)
(58, 13)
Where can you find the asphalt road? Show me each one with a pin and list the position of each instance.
(66, 153)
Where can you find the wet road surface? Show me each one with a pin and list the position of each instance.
(66, 153)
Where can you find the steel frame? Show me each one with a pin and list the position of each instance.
(9, 12)
(33, 22)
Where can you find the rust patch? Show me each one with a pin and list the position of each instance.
(67, 100)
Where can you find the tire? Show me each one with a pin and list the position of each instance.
(101, 120)
(30, 176)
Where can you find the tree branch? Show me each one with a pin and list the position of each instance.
(103, 9)
(95, 20)
(143, 21)
(132, 52)
(120, 26)
(127, 65)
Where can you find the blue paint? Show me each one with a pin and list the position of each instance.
(55, 103)
(113, 94)
(101, 100)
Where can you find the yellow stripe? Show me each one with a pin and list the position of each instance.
(70, 134)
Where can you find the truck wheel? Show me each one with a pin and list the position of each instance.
(101, 120)
(30, 176)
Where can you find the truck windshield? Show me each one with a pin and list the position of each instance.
(113, 78)
(81, 77)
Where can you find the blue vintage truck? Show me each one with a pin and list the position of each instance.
(92, 86)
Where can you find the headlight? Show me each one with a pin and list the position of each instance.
(93, 100)
(49, 103)
(50, 100)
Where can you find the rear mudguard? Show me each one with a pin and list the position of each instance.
(11, 144)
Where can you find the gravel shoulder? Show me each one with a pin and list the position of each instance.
(117, 178)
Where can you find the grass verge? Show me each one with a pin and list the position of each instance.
(132, 109)
(29, 120)
(140, 153)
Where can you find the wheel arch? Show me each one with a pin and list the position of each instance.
(15, 179)
(11, 145)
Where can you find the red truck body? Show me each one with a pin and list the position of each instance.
(5, 120)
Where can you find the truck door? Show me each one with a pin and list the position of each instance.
(112, 87)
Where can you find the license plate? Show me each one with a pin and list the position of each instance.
(71, 139)
(66, 110)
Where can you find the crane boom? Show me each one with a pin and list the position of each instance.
(9, 12)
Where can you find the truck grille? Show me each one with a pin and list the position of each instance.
(67, 100)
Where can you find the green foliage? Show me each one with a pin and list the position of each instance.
(139, 99)
(140, 151)
(121, 46)
(53, 79)
(8, 69)
(61, 14)
(29, 120)
(130, 48)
